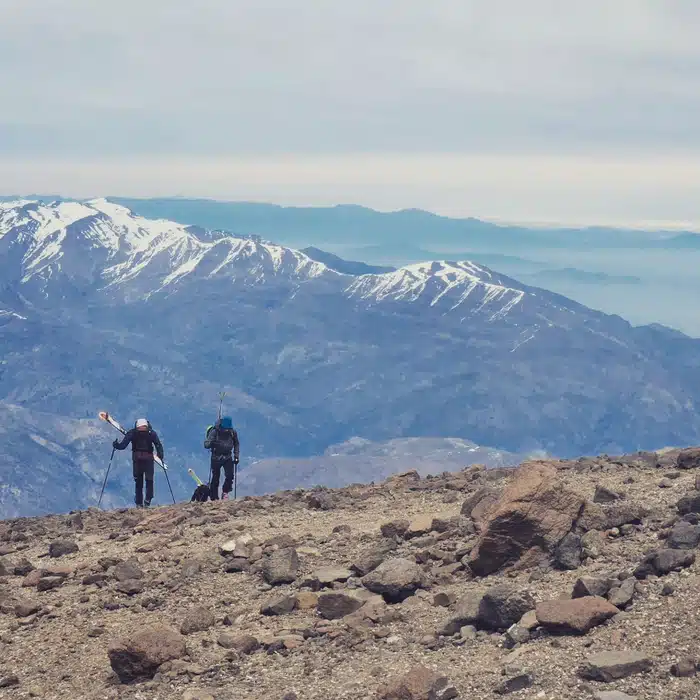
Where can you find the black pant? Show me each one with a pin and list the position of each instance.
(216, 464)
(143, 468)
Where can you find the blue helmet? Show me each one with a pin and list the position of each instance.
(226, 423)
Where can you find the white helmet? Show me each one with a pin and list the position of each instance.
(142, 423)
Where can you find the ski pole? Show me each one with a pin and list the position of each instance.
(167, 478)
(104, 483)
(235, 480)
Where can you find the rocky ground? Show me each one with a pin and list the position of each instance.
(556, 580)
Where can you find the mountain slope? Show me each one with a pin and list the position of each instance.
(102, 309)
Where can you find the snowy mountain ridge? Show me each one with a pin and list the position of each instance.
(127, 248)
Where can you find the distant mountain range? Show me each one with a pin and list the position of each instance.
(103, 309)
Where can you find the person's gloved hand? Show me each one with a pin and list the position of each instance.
(115, 444)
(235, 460)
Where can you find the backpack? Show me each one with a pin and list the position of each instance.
(201, 493)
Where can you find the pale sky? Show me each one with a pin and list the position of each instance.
(537, 110)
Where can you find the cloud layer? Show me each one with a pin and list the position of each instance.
(81, 79)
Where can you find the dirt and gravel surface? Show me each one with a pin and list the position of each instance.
(340, 593)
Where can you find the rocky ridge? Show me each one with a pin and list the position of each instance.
(555, 580)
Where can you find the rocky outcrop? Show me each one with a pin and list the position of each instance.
(534, 511)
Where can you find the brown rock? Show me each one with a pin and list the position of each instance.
(685, 668)
(279, 605)
(480, 504)
(128, 570)
(198, 619)
(139, 655)
(243, 644)
(59, 548)
(31, 580)
(395, 528)
(306, 600)
(575, 616)
(535, 510)
(421, 525)
(26, 608)
(333, 606)
(420, 683)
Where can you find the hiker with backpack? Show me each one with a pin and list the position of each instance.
(143, 440)
(222, 440)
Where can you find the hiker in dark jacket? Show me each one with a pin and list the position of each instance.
(222, 440)
(143, 439)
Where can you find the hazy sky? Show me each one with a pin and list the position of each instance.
(511, 109)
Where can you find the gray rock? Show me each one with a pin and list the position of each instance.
(4, 568)
(47, 583)
(688, 458)
(684, 536)
(663, 561)
(690, 503)
(281, 566)
(129, 587)
(612, 695)
(60, 548)
(502, 606)
(333, 606)
(22, 567)
(591, 586)
(279, 605)
(326, 576)
(371, 558)
(567, 554)
(622, 595)
(127, 571)
(515, 684)
(592, 544)
(605, 495)
(198, 619)
(608, 666)
(466, 612)
(685, 668)
(11, 681)
(395, 579)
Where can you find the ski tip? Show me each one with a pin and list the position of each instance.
(103, 415)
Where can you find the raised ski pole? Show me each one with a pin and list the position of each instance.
(104, 483)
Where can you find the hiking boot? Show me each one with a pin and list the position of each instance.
(147, 504)
(224, 497)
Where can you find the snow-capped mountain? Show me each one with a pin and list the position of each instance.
(100, 308)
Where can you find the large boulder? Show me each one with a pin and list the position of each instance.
(395, 579)
(576, 616)
(536, 510)
(568, 552)
(420, 683)
(281, 566)
(690, 503)
(604, 517)
(138, 657)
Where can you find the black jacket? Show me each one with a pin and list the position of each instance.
(222, 442)
(142, 443)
